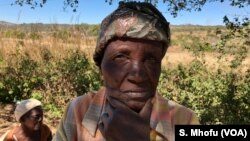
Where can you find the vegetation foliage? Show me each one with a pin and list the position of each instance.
(55, 80)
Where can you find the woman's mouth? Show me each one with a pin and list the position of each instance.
(137, 95)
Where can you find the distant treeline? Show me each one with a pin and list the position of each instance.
(88, 29)
(190, 27)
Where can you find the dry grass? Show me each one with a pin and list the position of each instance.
(176, 55)
(59, 47)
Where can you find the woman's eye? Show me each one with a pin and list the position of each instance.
(120, 57)
(152, 60)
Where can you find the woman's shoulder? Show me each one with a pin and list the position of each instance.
(171, 105)
(8, 135)
(181, 114)
(178, 106)
(46, 127)
(81, 103)
(46, 133)
(87, 98)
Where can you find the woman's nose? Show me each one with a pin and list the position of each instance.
(40, 118)
(137, 72)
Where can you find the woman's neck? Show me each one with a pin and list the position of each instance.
(31, 134)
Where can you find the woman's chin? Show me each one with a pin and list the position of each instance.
(38, 127)
(135, 105)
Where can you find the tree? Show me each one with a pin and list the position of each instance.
(174, 6)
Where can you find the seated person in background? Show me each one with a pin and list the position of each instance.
(131, 45)
(30, 115)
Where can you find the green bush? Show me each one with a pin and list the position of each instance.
(80, 72)
(17, 82)
(35, 36)
(15, 34)
(217, 97)
(54, 81)
(63, 35)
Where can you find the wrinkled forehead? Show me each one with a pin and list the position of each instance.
(128, 42)
(143, 48)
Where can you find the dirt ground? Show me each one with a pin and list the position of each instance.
(7, 119)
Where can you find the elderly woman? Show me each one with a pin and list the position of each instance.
(30, 115)
(132, 42)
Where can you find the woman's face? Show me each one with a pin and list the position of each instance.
(33, 119)
(131, 70)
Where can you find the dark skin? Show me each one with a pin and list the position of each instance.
(31, 122)
(131, 70)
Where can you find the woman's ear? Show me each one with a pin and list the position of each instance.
(100, 70)
(102, 78)
(21, 120)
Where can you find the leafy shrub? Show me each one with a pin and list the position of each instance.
(217, 97)
(35, 36)
(80, 72)
(53, 81)
(63, 35)
(15, 34)
(19, 81)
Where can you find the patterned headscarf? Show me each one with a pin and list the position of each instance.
(132, 20)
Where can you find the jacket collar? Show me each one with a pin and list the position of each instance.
(93, 114)
(160, 119)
